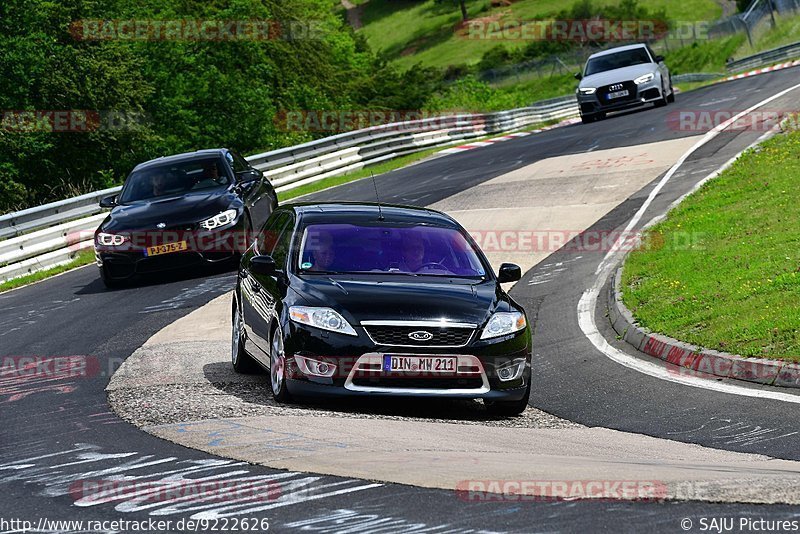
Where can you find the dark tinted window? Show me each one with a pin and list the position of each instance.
(284, 244)
(271, 231)
(174, 179)
(402, 250)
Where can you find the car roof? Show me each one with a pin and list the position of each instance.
(343, 212)
(618, 49)
(186, 156)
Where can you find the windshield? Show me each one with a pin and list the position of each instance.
(402, 250)
(174, 179)
(618, 60)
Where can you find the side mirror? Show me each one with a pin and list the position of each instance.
(250, 176)
(659, 59)
(509, 272)
(108, 202)
(578, 76)
(264, 265)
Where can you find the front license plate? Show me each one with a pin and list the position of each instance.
(617, 94)
(418, 364)
(166, 248)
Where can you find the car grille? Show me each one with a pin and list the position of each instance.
(629, 85)
(398, 336)
(475, 382)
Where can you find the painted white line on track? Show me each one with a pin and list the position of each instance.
(588, 302)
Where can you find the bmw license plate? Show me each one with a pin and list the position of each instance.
(617, 94)
(166, 248)
(418, 364)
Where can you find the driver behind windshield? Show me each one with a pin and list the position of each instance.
(413, 251)
(158, 182)
(323, 253)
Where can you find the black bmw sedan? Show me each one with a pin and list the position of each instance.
(182, 211)
(361, 299)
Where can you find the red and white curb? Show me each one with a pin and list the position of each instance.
(507, 137)
(773, 68)
(480, 144)
(690, 360)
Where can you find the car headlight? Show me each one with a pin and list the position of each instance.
(504, 323)
(324, 318)
(587, 90)
(221, 219)
(644, 79)
(110, 240)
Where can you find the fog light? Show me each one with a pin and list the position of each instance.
(311, 367)
(511, 370)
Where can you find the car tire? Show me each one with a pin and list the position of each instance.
(277, 367)
(109, 282)
(242, 362)
(671, 97)
(586, 119)
(510, 408)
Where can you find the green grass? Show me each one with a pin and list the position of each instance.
(470, 94)
(726, 275)
(787, 31)
(704, 56)
(408, 32)
(84, 257)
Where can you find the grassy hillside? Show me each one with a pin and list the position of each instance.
(407, 32)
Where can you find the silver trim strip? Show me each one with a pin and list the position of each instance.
(430, 324)
(375, 357)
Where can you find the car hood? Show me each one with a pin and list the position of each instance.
(173, 211)
(618, 75)
(419, 299)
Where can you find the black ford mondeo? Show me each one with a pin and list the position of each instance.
(182, 211)
(361, 299)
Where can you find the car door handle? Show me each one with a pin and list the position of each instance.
(255, 287)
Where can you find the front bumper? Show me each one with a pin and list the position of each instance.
(597, 102)
(359, 369)
(129, 260)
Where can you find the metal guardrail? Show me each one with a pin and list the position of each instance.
(775, 55)
(49, 235)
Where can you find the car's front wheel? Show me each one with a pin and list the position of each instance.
(241, 361)
(109, 282)
(510, 408)
(277, 367)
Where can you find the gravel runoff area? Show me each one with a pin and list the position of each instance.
(174, 379)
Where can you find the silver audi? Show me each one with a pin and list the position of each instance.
(622, 78)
